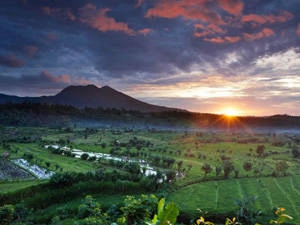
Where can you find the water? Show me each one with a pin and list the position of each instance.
(39, 172)
(144, 166)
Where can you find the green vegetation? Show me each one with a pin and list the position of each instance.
(213, 171)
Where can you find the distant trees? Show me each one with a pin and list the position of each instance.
(90, 212)
(218, 170)
(295, 152)
(206, 168)
(247, 166)
(84, 156)
(281, 167)
(260, 150)
(228, 167)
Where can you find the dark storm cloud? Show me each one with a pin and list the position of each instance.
(42, 83)
(125, 40)
(11, 60)
(42, 80)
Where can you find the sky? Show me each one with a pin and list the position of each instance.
(200, 55)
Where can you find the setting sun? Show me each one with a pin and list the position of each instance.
(231, 112)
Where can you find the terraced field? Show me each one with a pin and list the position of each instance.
(189, 152)
(218, 197)
(9, 171)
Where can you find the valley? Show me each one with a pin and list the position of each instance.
(194, 169)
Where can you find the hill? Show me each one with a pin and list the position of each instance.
(92, 97)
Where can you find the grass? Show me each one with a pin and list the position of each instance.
(12, 186)
(271, 192)
(58, 163)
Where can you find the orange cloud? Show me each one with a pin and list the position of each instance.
(226, 39)
(217, 40)
(139, 3)
(97, 19)
(70, 15)
(211, 29)
(266, 32)
(187, 9)
(202, 33)
(81, 81)
(60, 79)
(31, 50)
(298, 29)
(59, 12)
(65, 79)
(232, 39)
(51, 36)
(145, 31)
(234, 7)
(261, 19)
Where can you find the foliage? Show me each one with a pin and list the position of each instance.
(206, 168)
(90, 212)
(137, 210)
(281, 167)
(247, 214)
(228, 167)
(281, 217)
(296, 152)
(84, 156)
(166, 215)
(201, 221)
(232, 221)
(247, 166)
(260, 150)
(6, 214)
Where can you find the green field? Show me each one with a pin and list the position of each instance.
(272, 173)
(218, 197)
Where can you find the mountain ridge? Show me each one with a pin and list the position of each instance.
(91, 96)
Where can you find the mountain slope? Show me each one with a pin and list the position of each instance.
(90, 96)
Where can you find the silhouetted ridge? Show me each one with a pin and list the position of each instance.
(93, 97)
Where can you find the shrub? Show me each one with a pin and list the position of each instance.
(247, 166)
(6, 214)
(260, 150)
(84, 156)
(296, 153)
(228, 168)
(206, 168)
(247, 214)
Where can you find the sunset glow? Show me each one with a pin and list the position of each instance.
(231, 112)
(199, 56)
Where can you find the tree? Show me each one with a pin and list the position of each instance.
(137, 210)
(218, 170)
(84, 156)
(133, 167)
(91, 213)
(247, 166)
(260, 150)
(296, 153)
(281, 167)
(206, 168)
(228, 168)
(170, 175)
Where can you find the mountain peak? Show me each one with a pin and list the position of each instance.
(94, 97)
